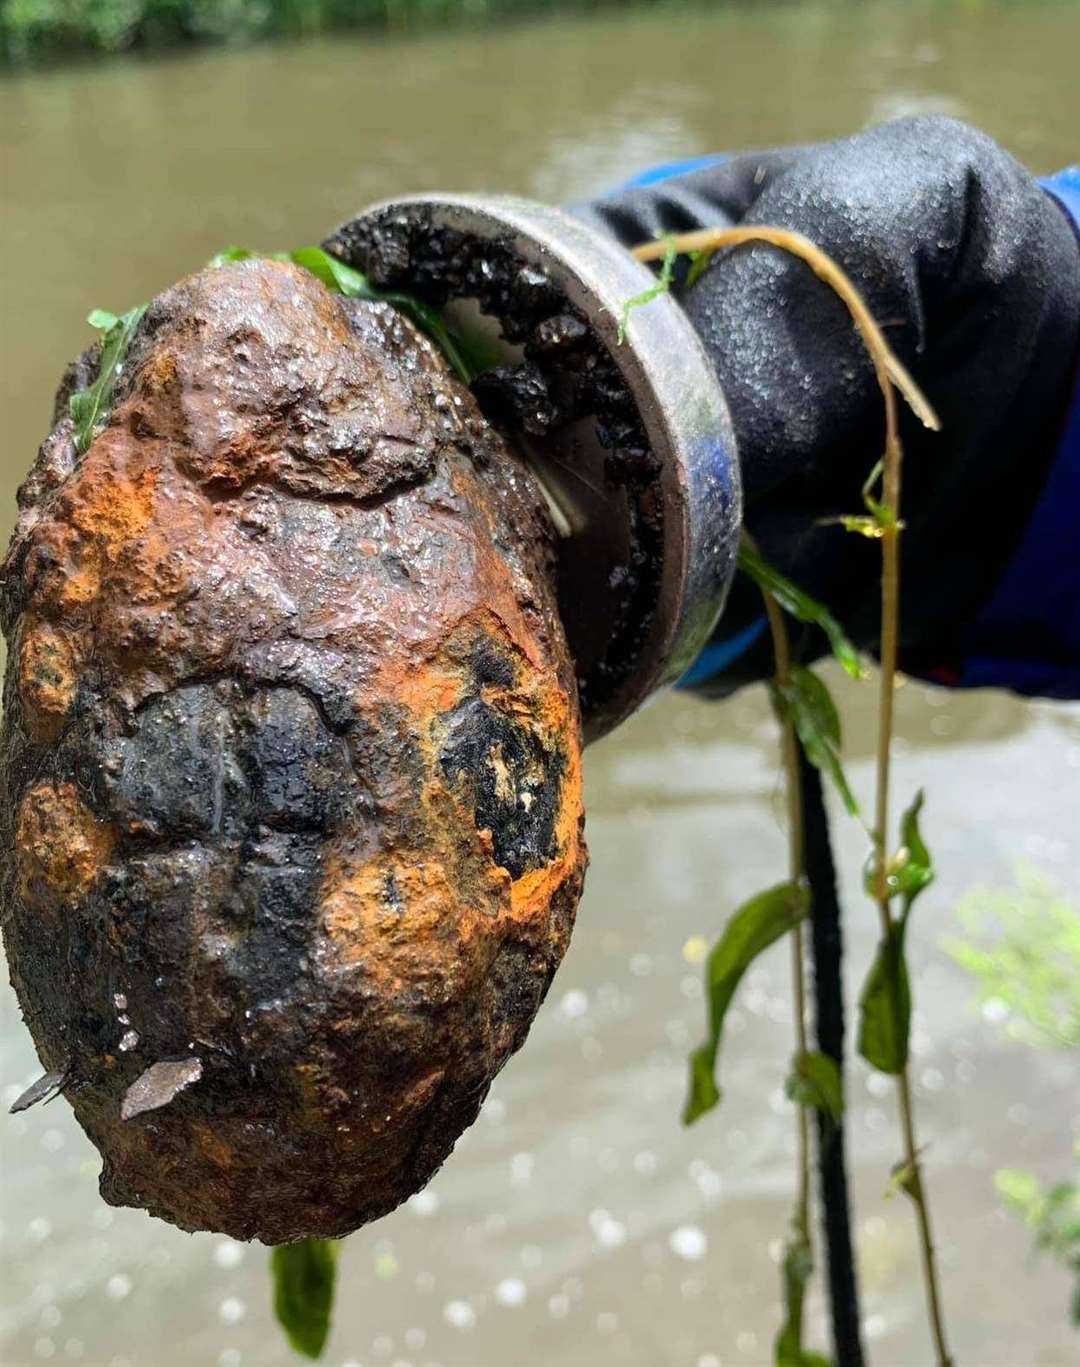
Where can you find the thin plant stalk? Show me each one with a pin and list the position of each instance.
(890, 616)
(891, 375)
(797, 863)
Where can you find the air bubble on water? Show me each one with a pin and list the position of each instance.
(118, 1286)
(424, 1203)
(415, 1339)
(74, 1348)
(231, 1310)
(641, 965)
(39, 1228)
(511, 1291)
(607, 1231)
(120, 1001)
(559, 1306)
(645, 1163)
(494, 1110)
(689, 1242)
(128, 1040)
(874, 1326)
(878, 1085)
(229, 1254)
(574, 1004)
(932, 1079)
(386, 1265)
(995, 1010)
(44, 1347)
(52, 1141)
(459, 1315)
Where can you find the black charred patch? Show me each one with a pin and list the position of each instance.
(512, 780)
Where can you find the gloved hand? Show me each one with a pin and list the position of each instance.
(973, 271)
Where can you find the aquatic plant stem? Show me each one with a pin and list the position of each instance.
(913, 1182)
(797, 866)
(891, 376)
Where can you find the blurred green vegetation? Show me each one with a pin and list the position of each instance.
(1023, 951)
(32, 30)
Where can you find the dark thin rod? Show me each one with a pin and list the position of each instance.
(827, 954)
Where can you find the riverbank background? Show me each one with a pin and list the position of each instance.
(578, 1224)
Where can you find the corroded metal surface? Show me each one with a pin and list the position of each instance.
(291, 760)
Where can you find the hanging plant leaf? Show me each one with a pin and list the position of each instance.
(804, 700)
(752, 929)
(303, 1276)
(885, 1006)
(815, 1081)
(797, 1270)
(801, 606)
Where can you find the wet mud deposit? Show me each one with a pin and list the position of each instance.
(292, 824)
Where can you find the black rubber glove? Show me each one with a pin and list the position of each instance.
(973, 272)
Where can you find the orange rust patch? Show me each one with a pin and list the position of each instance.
(47, 678)
(62, 846)
(390, 914)
(107, 510)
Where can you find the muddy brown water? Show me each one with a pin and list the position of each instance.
(577, 1223)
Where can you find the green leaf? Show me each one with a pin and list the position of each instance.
(805, 701)
(662, 286)
(231, 254)
(915, 873)
(751, 930)
(304, 1292)
(699, 264)
(334, 274)
(801, 606)
(885, 1005)
(102, 319)
(797, 1270)
(90, 407)
(815, 1081)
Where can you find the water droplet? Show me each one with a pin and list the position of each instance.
(459, 1315)
(118, 1286)
(231, 1310)
(511, 1291)
(229, 1254)
(574, 1004)
(689, 1242)
(424, 1202)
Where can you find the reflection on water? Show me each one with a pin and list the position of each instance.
(577, 1223)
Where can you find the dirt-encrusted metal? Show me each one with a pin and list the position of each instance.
(290, 799)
